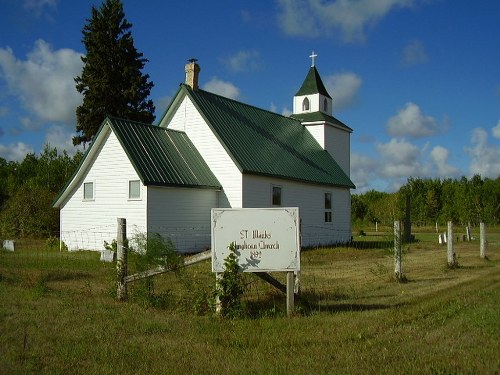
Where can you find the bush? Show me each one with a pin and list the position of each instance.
(229, 289)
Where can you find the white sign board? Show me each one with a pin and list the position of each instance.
(266, 239)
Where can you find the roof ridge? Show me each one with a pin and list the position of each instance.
(239, 102)
(139, 123)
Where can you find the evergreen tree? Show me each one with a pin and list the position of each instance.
(111, 82)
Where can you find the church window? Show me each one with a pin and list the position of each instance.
(328, 207)
(276, 195)
(88, 191)
(325, 105)
(134, 189)
(305, 105)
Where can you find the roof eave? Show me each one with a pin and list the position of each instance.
(350, 186)
(187, 186)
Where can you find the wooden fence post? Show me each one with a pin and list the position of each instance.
(290, 302)
(218, 305)
(398, 269)
(482, 240)
(121, 259)
(468, 236)
(452, 262)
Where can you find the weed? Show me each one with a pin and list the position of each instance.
(229, 288)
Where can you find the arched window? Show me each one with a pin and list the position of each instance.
(305, 105)
(325, 105)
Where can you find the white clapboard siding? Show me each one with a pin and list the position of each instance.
(188, 119)
(310, 200)
(315, 103)
(183, 215)
(334, 140)
(87, 224)
(337, 143)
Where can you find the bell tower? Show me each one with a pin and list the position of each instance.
(312, 106)
(312, 95)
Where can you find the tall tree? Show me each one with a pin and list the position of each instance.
(111, 82)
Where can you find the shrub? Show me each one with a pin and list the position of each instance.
(229, 289)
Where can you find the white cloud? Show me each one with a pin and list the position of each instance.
(44, 82)
(400, 159)
(485, 157)
(242, 61)
(224, 88)
(496, 130)
(411, 122)
(414, 53)
(286, 112)
(343, 88)
(40, 7)
(364, 171)
(439, 156)
(313, 18)
(161, 104)
(62, 139)
(15, 152)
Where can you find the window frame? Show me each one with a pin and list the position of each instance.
(135, 198)
(328, 217)
(85, 197)
(280, 189)
(306, 105)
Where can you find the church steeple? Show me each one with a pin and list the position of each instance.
(312, 95)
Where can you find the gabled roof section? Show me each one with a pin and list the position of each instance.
(320, 116)
(163, 157)
(264, 143)
(313, 84)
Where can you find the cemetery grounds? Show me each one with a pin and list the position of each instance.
(59, 315)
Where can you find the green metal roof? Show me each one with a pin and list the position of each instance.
(265, 143)
(163, 157)
(313, 84)
(320, 116)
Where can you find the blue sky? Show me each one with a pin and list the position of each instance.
(417, 80)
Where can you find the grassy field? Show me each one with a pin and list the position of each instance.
(58, 316)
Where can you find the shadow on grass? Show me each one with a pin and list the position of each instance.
(274, 305)
(352, 307)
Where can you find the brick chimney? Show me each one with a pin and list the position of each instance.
(192, 73)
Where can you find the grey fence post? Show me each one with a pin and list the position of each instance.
(121, 259)
(398, 269)
(290, 300)
(482, 240)
(452, 262)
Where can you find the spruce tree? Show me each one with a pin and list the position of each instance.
(111, 82)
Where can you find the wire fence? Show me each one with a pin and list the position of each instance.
(326, 272)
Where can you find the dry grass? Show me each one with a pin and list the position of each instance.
(58, 316)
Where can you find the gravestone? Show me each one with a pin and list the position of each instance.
(8, 245)
(107, 256)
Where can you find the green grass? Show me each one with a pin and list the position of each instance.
(58, 315)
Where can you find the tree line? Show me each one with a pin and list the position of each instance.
(27, 190)
(112, 84)
(465, 200)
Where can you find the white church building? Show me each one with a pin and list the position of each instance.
(208, 151)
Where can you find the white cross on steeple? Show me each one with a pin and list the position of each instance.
(313, 55)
